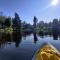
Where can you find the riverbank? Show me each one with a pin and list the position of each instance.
(6, 30)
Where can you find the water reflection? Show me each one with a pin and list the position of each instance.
(17, 38)
(8, 38)
(35, 38)
(4, 39)
(24, 42)
(55, 37)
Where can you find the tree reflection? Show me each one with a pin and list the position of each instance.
(35, 37)
(55, 33)
(4, 39)
(17, 37)
(55, 37)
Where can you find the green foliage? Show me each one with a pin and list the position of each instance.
(8, 22)
(16, 22)
(8, 30)
(2, 19)
(1, 30)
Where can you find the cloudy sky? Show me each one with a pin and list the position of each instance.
(44, 10)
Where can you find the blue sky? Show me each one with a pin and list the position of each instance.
(27, 9)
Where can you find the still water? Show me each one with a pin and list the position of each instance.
(17, 47)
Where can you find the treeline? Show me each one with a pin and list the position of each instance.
(49, 28)
(16, 24)
(5, 21)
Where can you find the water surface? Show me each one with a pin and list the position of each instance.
(17, 47)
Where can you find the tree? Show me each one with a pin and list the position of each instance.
(8, 22)
(35, 23)
(41, 24)
(55, 23)
(55, 27)
(59, 26)
(17, 22)
(2, 19)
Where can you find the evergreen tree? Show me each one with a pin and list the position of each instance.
(8, 22)
(17, 22)
(55, 28)
(35, 23)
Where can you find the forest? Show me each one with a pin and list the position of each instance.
(9, 25)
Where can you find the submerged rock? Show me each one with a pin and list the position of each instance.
(48, 52)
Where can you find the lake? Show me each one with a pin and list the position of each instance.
(17, 47)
